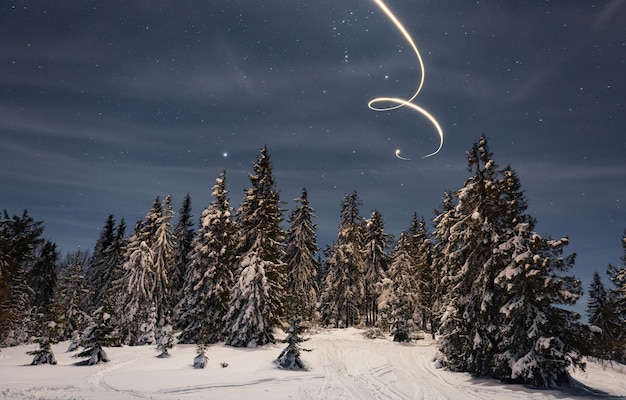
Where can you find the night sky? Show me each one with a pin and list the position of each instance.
(105, 105)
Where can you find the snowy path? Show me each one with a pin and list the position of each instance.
(344, 364)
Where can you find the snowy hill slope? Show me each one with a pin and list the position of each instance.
(344, 365)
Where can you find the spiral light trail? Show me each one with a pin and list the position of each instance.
(398, 102)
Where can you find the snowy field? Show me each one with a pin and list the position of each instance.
(344, 365)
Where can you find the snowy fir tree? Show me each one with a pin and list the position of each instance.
(471, 230)
(375, 263)
(251, 312)
(302, 264)
(261, 267)
(603, 316)
(183, 237)
(163, 263)
(49, 335)
(206, 290)
(538, 339)
(502, 314)
(617, 304)
(99, 269)
(426, 276)
(166, 340)
(149, 328)
(43, 276)
(100, 334)
(289, 358)
(20, 241)
(135, 287)
(402, 300)
(343, 289)
(74, 296)
(200, 360)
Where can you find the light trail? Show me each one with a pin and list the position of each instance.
(398, 102)
(400, 157)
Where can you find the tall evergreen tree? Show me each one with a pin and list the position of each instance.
(20, 241)
(302, 265)
(43, 275)
(603, 314)
(539, 339)
(404, 294)
(427, 277)
(617, 302)
(163, 250)
(183, 236)
(206, 290)
(344, 286)
(74, 296)
(375, 263)
(261, 253)
(99, 269)
(502, 317)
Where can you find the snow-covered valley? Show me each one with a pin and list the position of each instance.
(343, 365)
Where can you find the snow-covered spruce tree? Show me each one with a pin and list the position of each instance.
(538, 339)
(166, 340)
(43, 276)
(603, 315)
(289, 358)
(20, 239)
(484, 217)
(262, 271)
(74, 296)
(163, 250)
(375, 264)
(403, 299)
(50, 329)
(98, 268)
(201, 359)
(302, 265)
(251, 313)
(114, 258)
(136, 284)
(617, 302)
(209, 278)
(183, 237)
(343, 289)
(100, 334)
(427, 277)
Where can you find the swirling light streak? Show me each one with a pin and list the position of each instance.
(398, 102)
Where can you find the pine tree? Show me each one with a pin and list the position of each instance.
(251, 313)
(114, 259)
(289, 358)
(135, 286)
(603, 315)
(426, 276)
(20, 241)
(617, 304)
(209, 278)
(539, 339)
(260, 262)
(163, 263)
(302, 265)
(375, 262)
(74, 296)
(165, 340)
(470, 325)
(49, 335)
(344, 289)
(100, 334)
(502, 317)
(98, 269)
(43, 275)
(183, 236)
(403, 298)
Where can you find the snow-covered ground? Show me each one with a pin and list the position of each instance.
(344, 365)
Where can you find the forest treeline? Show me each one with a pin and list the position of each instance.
(493, 291)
